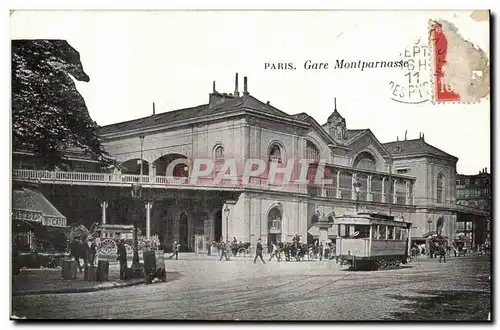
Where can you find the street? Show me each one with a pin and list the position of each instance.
(207, 289)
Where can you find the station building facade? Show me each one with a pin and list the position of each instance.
(409, 179)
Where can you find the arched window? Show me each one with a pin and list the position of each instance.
(219, 152)
(275, 153)
(274, 220)
(312, 152)
(439, 188)
(366, 161)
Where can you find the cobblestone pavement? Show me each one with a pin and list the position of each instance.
(206, 288)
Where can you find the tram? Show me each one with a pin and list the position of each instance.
(371, 241)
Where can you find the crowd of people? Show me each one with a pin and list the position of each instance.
(278, 250)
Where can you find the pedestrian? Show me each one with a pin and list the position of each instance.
(275, 252)
(223, 253)
(442, 251)
(258, 252)
(92, 251)
(122, 258)
(175, 251)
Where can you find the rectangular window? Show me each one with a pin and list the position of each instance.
(460, 226)
(375, 231)
(404, 233)
(344, 231)
(397, 233)
(362, 230)
(390, 232)
(468, 226)
(381, 231)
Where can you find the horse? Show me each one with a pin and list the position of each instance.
(80, 250)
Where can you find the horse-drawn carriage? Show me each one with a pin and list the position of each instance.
(461, 244)
(106, 236)
(295, 250)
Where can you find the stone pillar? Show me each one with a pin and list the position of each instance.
(148, 206)
(407, 193)
(338, 192)
(369, 196)
(353, 191)
(384, 199)
(413, 194)
(227, 219)
(104, 206)
(394, 196)
(208, 228)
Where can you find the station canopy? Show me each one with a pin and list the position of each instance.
(29, 205)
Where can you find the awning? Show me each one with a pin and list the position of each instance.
(31, 205)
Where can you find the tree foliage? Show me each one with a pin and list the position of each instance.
(49, 115)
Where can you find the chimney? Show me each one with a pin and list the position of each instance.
(423, 136)
(213, 87)
(335, 104)
(236, 91)
(153, 108)
(245, 86)
(397, 138)
(406, 132)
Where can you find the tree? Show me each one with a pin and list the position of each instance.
(49, 115)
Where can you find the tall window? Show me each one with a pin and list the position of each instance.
(219, 152)
(274, 219)
(439, 191)
(275, 153)
(312, 152)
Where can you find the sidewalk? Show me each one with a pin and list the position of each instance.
(49, 281)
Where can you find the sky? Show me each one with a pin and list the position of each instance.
(135, 58)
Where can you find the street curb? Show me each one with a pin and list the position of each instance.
(79, 290)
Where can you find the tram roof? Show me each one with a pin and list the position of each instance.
(365, 218)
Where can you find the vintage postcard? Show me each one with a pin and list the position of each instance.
(251, 165)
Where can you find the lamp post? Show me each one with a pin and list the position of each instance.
(357, 188)
(136, 195)
(226, 213)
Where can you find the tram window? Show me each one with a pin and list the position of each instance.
(363, 231)
(404, 233)
(397, 232)
(390, 232)
(375, 232)
(344, 230)
(381, 232)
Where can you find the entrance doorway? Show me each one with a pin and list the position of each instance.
(183, 233)
(273, 227)
(218, 226)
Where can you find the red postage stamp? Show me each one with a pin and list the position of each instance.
(460, 69)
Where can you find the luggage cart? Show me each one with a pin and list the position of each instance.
(154, 266)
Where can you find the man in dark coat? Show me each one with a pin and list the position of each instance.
(122, 258)
(258, 252)
(92, 251)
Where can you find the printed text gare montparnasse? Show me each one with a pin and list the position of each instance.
(339, 64)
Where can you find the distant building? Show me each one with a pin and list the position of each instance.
(474, 191)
